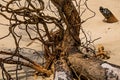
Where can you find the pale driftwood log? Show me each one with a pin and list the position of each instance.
(62, 71)
(93, 69)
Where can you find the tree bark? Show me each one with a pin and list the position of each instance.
(70, 16)
(68, 47)
(71, 41)
(94, 69)
(85, 68)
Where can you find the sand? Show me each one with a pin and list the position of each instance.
(109, 32)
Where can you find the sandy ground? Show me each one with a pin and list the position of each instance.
(109, 32)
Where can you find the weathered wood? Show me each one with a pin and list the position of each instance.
(31, 63)
(109, 16)
(86, 68)
(94, 69)
(71, 18)
(112, 71)
(71, 40)
(62, 70)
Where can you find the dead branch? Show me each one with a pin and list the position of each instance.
(32, 64)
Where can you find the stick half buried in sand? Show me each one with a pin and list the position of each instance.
(109, 17)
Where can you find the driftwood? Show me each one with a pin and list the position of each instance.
(85, 69)
(102, 53)
(94, 69)
(31, 63)
(64, 47)
(62, 70)
(109, 16)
